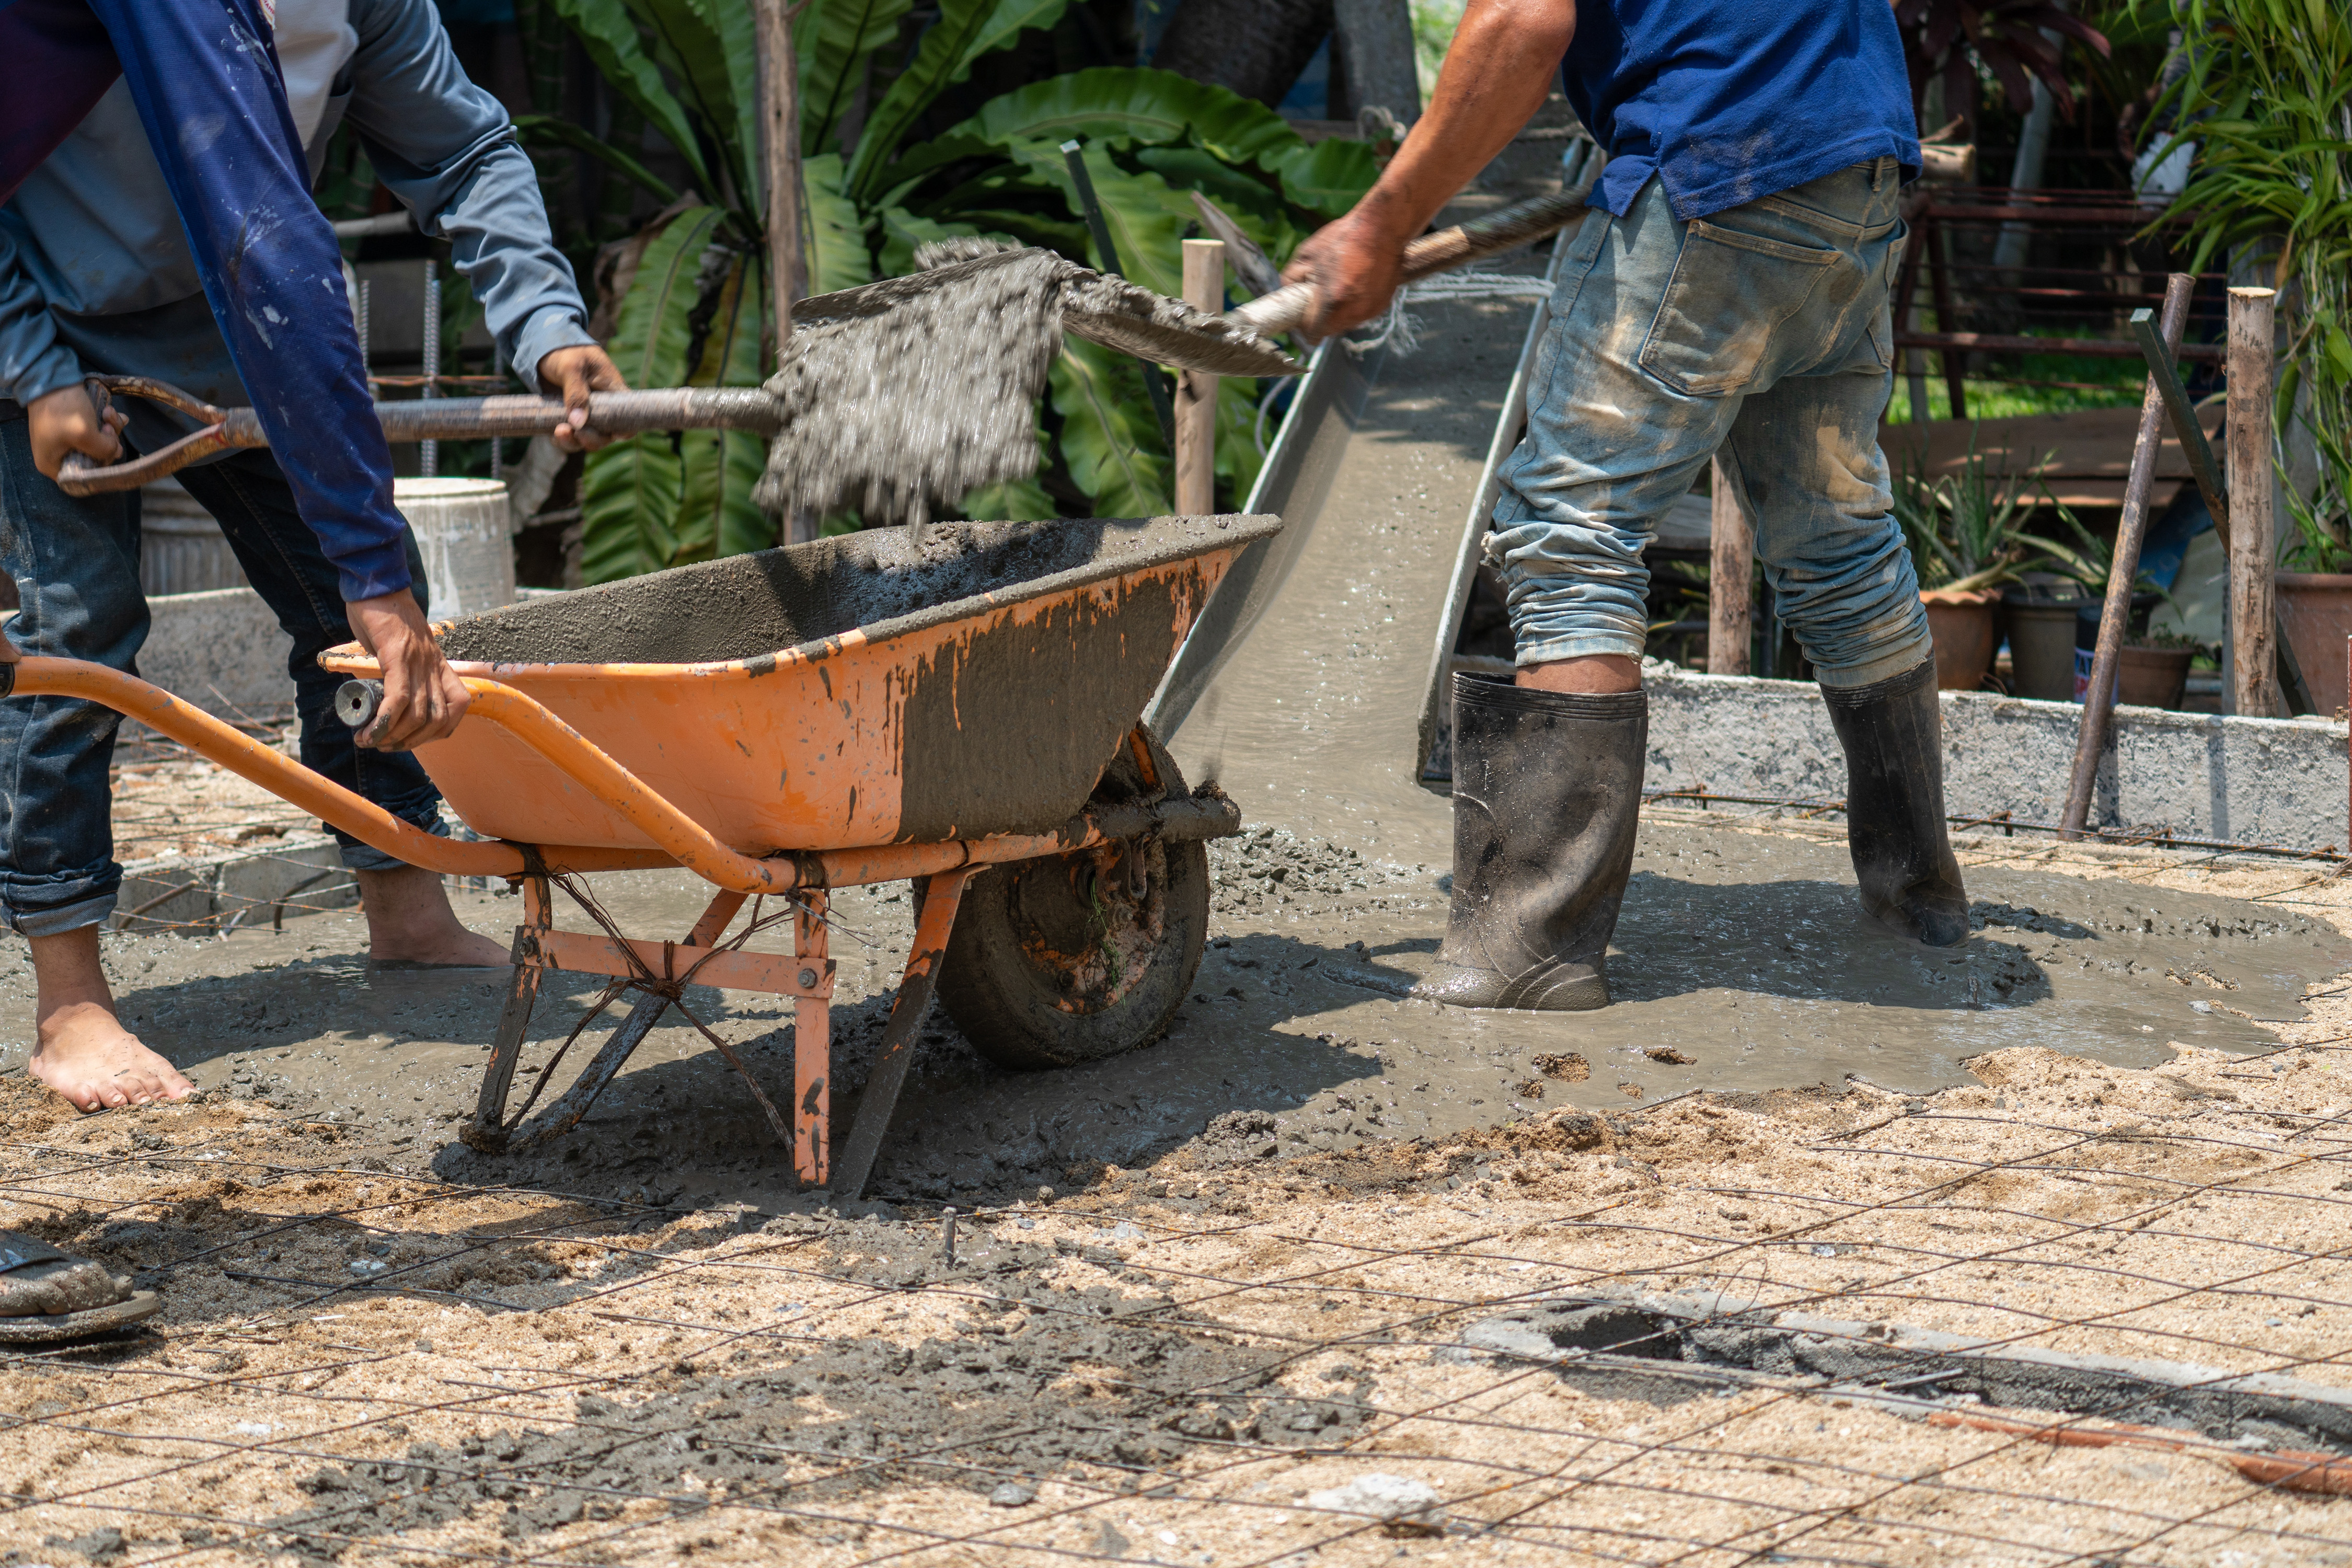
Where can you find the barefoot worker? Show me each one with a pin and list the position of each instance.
(1727, 296)
(112, 259)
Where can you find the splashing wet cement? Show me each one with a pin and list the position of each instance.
(901, 396)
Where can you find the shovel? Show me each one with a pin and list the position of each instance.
(1103, 310)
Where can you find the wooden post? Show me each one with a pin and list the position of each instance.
(1730, 612)
(780, 150)
(2123, 570)
(2252, 552)
(1196, 394)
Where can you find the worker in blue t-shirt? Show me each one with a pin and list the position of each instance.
(154, 160)
(1725, 296)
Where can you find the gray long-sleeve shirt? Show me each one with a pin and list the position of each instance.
(95, 271)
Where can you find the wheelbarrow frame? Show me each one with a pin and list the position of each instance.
(659, 968)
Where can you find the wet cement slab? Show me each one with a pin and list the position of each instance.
(1742, 963)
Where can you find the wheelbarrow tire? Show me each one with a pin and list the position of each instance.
(1054, 962)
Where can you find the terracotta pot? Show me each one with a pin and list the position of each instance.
(2042, 647)
(1962, 626)
(2317, 608)
(2153, 677)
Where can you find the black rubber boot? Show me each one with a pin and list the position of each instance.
(1546, 796)
(1893, 741)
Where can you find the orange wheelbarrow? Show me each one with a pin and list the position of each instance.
(855, 709)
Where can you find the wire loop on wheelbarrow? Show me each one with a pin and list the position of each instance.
(667, 989)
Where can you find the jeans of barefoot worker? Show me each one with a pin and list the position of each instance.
(1762, 332)
(75, 563)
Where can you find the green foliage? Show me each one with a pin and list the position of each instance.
(632, 493)
(834, 42)
(2264, 98)
(1110, 438)
(966, 29)
(1967, 530)
(696, 310)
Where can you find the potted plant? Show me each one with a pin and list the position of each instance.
(1966, 539)
(2154, 671)
(2088, 562)
(2315, 606)
(2264, 88)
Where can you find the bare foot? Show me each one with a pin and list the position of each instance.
(84, 1053)
(87, 1056)
(410, 921)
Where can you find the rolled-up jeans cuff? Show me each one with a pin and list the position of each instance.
(359, 856)
(1579, 645)
(1897, 661)
(87, 912)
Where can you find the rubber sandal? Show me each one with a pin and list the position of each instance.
(48, 1295)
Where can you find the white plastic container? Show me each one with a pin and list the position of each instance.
(461, 527)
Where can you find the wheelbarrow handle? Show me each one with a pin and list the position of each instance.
(224, 430)
(419, 419)
(1506, 228)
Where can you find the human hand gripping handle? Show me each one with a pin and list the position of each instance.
(68, 420)
(423, 698)
(572, 374)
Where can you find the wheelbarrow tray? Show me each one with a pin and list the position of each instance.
(849, 691)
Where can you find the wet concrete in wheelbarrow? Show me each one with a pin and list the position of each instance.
(1742, 960)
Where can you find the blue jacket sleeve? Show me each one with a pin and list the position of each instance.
(205, 78)
(33, 363)
(445, 148)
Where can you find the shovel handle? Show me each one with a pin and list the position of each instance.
(1506, 228)
(418, 419)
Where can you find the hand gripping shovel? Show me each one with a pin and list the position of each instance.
(1288, 307)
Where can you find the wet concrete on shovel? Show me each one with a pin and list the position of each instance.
(1742, 962)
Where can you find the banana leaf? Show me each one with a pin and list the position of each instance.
(687, 46)
(832, 40)
(630, 492)
(719, 467)
(609, 33)
(547, 131)
(1110, 437)
(1147, 217)
(838, 257)
(966, 30)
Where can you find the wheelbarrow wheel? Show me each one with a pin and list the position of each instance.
(1073, 958)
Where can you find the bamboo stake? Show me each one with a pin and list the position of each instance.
(1730, 612)
(1196, 394)
(2253, 591)
(2098, 703)
(780, 148)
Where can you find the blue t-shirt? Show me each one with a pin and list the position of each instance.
(1726, 100)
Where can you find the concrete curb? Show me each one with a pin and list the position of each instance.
(297, 874)
(220, 651)
(2252, 781)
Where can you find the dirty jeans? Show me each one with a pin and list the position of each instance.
(1762, 335)
(76, 566)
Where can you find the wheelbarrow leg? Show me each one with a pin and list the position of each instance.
(565, 1114)
(812, 1049)
(487, 1133)
(573, 1104)
(941, 893)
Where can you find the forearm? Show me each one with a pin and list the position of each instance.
(499, 239)
(1499, 68)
